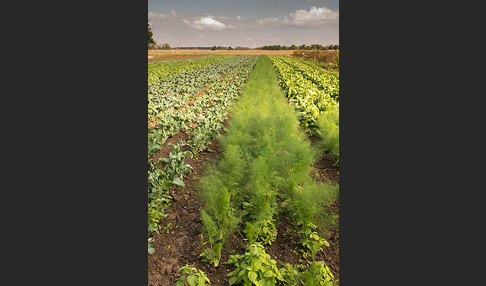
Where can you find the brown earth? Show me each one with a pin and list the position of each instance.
(172, 58)
(180, 242)
(217, 52)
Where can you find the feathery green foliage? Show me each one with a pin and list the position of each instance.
(328, 130)
(267, 160)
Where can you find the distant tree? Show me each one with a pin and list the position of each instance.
(166, 47)
(292, 47)
(151, 41)
(214, 48)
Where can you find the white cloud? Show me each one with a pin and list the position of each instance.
(206, 23)
(238, 17)
(314, 17)
(266, 20)
(173, 13)
(156, 16)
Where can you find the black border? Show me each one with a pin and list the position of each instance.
(81, 84)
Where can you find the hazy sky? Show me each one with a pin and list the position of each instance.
(246, 23)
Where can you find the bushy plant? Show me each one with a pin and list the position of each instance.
(315, 274)
(195, 276)
(255, 267)
(310, 204)
(219, 219)
(318, 274)
(291, 274)
(311, 201)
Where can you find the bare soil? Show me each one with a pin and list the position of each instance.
(172, 58)
(184, 52)
(180, 242)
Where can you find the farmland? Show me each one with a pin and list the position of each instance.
(243, 171)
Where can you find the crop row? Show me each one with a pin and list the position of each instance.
(159, 70)
(329, 83)
(307, 97)
(196, 102)
(264, 172)
(191, 98)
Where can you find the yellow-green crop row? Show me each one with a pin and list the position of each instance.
(160, 70)
(310, 99)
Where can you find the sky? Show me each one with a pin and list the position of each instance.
(244, 23)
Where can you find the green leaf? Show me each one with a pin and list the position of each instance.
(191, 280)
(326, 243)
(252, 276)
(241, 272)
(179, 182)
(268, 273)
(151, 249)
(232, 280)
(244, 212)
(232, 273)
(279, 276)
(256, 263)
(217, 248)
(201, 280)
(167, 184)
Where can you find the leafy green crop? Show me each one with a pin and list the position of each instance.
(195, 276)
(160, 70)
(265, 155)
(315, 274)
(264, 169)
(309, 90)
(162, 175)
(318, 274)
(192, 96)
(255, 267)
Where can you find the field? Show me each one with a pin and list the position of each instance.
(160, 55)
(243, 169)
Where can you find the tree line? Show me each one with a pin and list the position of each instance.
(302, 47)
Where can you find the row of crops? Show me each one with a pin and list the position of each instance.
(195, 101)
(160, 70)
(315, 94)
(264, 172)
(311, 91)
